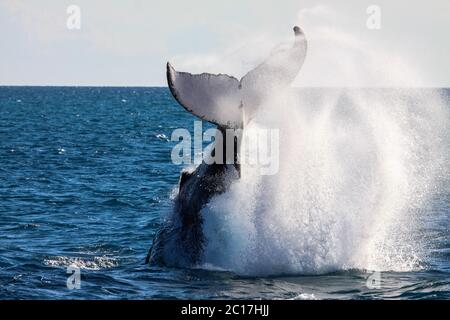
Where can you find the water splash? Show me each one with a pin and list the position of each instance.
(356, 167)
(95, 263)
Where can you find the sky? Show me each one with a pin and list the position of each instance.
(127, 43)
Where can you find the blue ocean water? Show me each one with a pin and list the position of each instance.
(85, 177)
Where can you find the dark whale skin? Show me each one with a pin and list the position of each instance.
(180, 239)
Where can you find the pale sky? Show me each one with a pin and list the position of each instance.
(127, 43)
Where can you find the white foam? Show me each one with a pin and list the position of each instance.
(357, 167)
(305, 296)
(95, 263)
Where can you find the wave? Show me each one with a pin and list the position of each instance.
(95, 263)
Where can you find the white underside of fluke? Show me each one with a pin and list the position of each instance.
(222, 99)
(215, 98)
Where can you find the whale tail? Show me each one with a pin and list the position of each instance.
(211, 97)
(223, 99)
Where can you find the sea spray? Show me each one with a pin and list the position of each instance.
(356, 167)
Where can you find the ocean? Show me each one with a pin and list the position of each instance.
(86, 179)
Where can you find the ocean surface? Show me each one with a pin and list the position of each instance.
(86, 179)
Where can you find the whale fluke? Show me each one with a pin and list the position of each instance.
(211, 97)
(223, 99)
(277, 72)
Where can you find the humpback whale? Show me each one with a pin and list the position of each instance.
(228, 103)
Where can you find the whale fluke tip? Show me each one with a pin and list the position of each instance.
(297, 31)
(169, 66)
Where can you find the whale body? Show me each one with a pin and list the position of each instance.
(228, 103)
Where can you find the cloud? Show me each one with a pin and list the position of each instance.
(38, 21)
(338, 54)
(344, 53)
(320, 11)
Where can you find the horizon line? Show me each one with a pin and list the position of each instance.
(165, 86)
